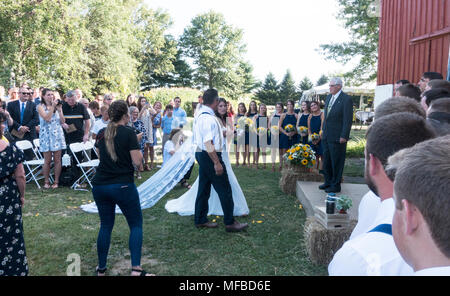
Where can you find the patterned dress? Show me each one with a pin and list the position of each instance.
(139, 125)
(51, 134)
(13, 260)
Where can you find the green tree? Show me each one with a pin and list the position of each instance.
(322, 80)
(288, 91)
(269, 92)
(216, 50)
(363, 28)
(305, 84)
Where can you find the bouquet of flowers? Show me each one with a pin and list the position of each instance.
(315, 137)
(261, 131)
(274, 130)
(289, 128)
(301, 154)
(302, 130)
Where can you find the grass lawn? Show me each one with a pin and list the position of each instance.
(55, 227)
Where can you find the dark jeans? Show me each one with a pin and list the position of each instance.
(187, 176)
(127, 198)
(207, 177)
(333, 162)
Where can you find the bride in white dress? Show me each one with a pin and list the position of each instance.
(185, 204)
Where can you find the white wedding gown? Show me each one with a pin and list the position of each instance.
(185, 204)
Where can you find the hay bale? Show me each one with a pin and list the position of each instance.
(291, 174)
(321, 243)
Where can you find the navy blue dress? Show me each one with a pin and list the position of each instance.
(263, 121)
(315, 124)
(272, 140)
(246, 132)
(303, 122)
(285, 142)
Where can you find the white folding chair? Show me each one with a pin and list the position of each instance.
(39, 155)
(34, 166)
(87, 167)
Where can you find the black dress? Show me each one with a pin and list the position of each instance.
(13, 260)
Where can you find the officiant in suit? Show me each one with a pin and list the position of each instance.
(25, 118)
(208, 136)
(336, 133)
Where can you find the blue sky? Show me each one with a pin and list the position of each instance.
(280, 35)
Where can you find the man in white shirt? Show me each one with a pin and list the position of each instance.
(209, 139)
(421, 224)
(374, 252)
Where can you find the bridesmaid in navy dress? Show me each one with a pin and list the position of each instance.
(242, 110)
(287, 140)
(262, 139)
(315, 123)
(303, 121)
(252, 112)
(275, 136)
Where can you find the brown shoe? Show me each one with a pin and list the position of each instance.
(208, 224)
(236, 227)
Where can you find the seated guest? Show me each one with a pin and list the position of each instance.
(94, 106)
(119, 152)
(439, 116)
(438, 83)
(102, 123)
(374, 252)
(399, 104)
(400, 83)
(421, 227)
(409, 91)
(433, 94)
(426, 77)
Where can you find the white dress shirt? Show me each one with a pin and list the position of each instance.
(367, 212)
(207, 128)
(434, 271)
(371, 253)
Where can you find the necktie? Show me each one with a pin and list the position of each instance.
(330, 104)
(21, 112)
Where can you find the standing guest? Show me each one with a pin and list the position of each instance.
(25, 118)
(131, 100)
(38, 95)
(400, 83)
(315, 125)
(199, 105)
(230, 123)
(13, 94)
(139, 126)
(426, 77)
(8, 122)
(374, 252)
(208, 136)
(262, 140)
(397, 105)
(156, 124)
(51, 135)
(409, 91)
(3, 98)
(288, 139)
(85, 103)
(241, 138)
(421, 227)
(12, 188)
(145, 115)
(99, 99)
(302, 121)
(77, 120)
(113, 185)
(433, 94)
(179, 115)
(101, 123)
(439, 116)
(108, 99)
(275, 135)
(166, 124)
(336, 132)
(438, 83)
(252, 112)
(79, 94)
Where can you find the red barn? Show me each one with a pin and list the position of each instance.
(414, 38)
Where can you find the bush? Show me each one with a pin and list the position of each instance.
(355, 148)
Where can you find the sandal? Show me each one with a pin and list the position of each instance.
(146, 168)
(55, 185)
(100, 272)
(46, 186)
(142, 272)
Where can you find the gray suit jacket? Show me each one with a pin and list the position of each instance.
(338, 122)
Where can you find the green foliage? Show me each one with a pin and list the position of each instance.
(305, 84)
(268, 93)
(165, 95)
(363, 28)
(322, 80)
(344, 203)
(355, 148)
(288, 90)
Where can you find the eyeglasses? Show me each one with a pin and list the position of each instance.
(333, 85)
(26, 93)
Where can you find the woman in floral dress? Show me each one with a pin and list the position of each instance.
(13, 260)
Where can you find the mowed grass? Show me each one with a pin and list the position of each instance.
(55, 227)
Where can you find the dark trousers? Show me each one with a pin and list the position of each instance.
(333, 162)
(127, 198)
(207, 177)
(187, 176)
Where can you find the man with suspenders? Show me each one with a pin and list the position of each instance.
(374, 252)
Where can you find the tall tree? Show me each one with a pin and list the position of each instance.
(288, 90)
(363, 27)
(322, 80)
(216, 50)
(268, 93)
(305, 84)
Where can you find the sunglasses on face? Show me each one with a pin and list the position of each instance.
(26, 93)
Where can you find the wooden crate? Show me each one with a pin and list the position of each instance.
(331, 221)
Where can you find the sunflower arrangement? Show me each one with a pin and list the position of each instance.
(289, 128)
(315, 137)
(301, 154)
(261, 131)
(274, 130)
(302, 130)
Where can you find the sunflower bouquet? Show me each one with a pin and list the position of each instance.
(301, 154)
(315, 137)
(274, 130)
(302, 130)
(289, 128)
(261, 131)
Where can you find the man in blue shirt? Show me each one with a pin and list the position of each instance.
(179, 115)
(166, 124)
